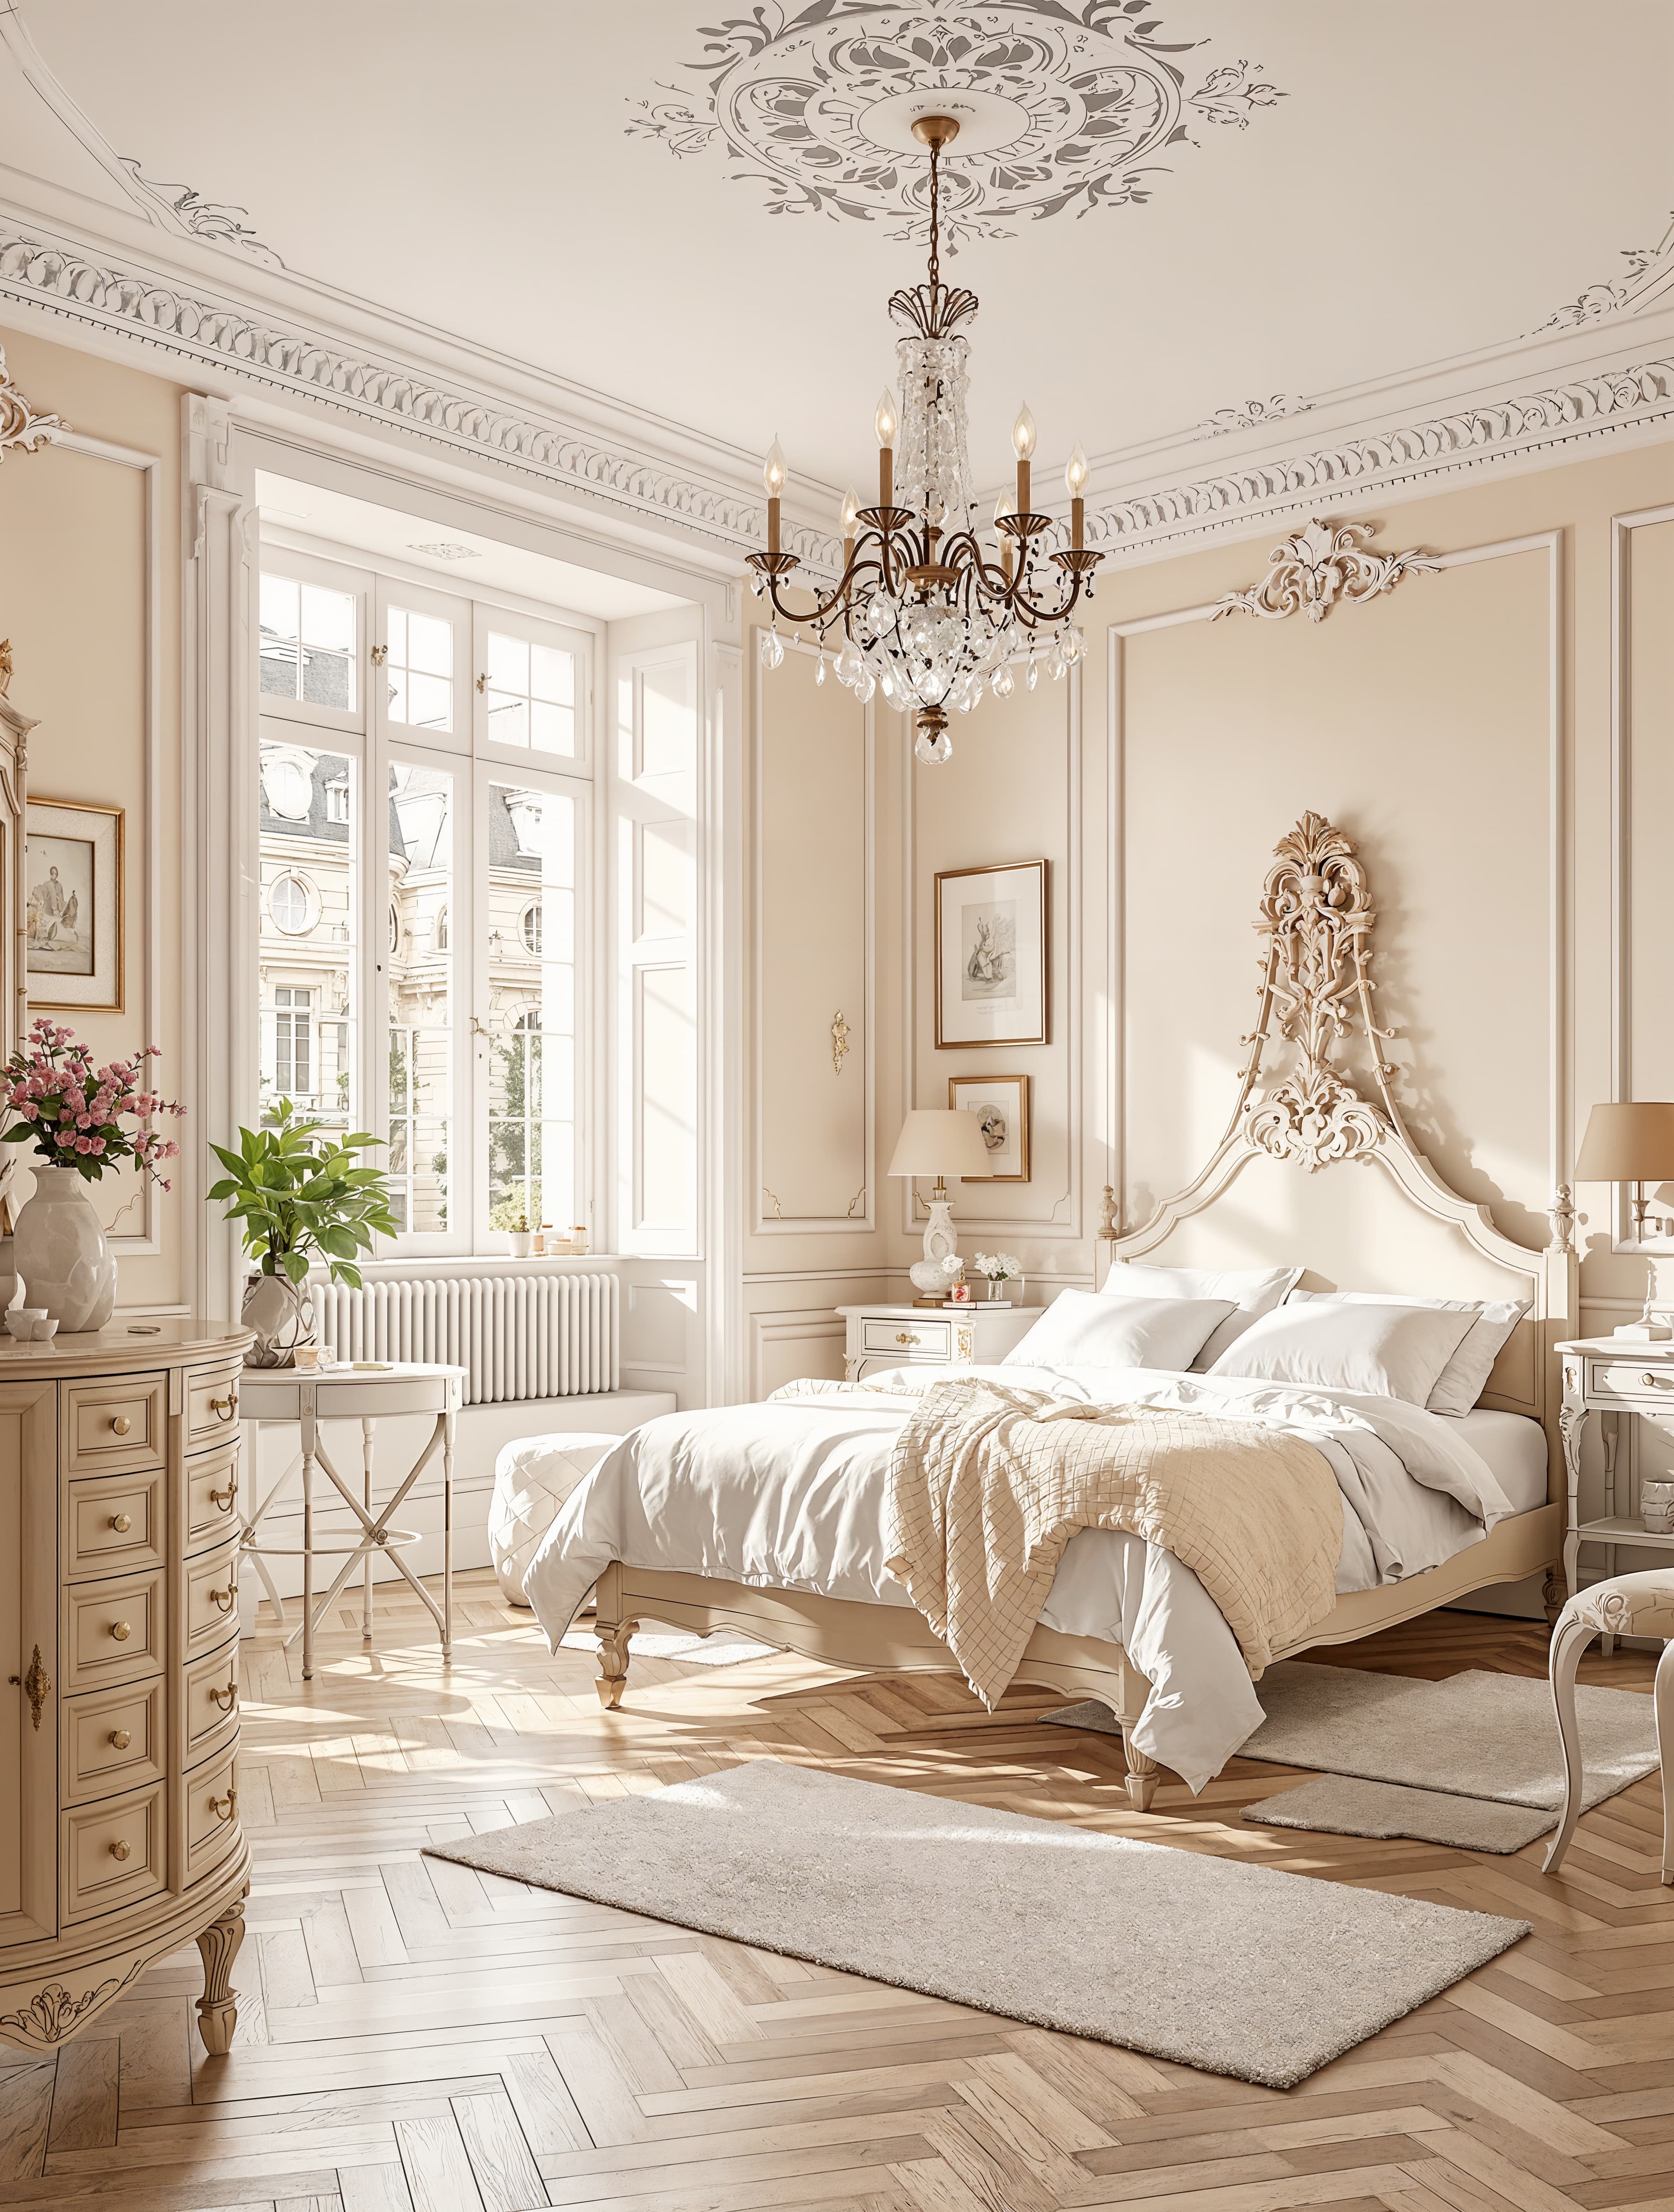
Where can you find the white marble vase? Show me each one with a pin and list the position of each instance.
(281, 1312)
(60, 1251)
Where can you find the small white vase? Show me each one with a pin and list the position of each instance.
(281, 1312)
(60, 1249)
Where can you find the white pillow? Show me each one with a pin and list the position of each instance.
(1375, 1350)
(1081, 1329)
(1465, 1377)
(1252, 1290)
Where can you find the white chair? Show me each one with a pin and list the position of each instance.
(532, 1479)
(1626, 1605)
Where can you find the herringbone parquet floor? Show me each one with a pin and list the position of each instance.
(417, 2038)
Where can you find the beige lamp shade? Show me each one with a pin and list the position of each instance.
(934, 1142)
(1628, 1143)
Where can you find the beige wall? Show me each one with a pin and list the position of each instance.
(73, 600)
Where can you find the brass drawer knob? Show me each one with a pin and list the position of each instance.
(224, 1499)
(121, 1424)
(120, 1739)
(224, 1808)
(905, 1336)
(122, 1522)
(120, 1631)
(226, 1598)
(230, 1693)
(225, 1407)
(119, 1851)
(1655, 1382)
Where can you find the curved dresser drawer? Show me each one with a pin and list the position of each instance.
(212, 1497)
(210, 1586)
(211, 1814)
(113, 1523)
(114, 1631)
(114, 1740)
(114, 1852)
(211, 1407)
(211, 1697)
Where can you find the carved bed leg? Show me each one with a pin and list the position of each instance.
(217, 2008)
(1142, 1774)
(613, 1638)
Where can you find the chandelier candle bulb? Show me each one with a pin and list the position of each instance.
(1023, 444)
(851, 512)
(774, 473)
(1074, 476)
(888, 422)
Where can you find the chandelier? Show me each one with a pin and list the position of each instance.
(928, 615)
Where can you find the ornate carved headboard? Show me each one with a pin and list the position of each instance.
(1393, 1223)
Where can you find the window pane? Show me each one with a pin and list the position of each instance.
(278, 656)
(307, 931)
(307, 644)
(421, 983)
(531, 1135)
(328, 619)
(419, 670)
(532, 702)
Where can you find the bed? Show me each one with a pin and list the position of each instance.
(1316, 1170)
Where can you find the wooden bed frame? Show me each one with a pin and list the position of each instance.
(1325, 1174)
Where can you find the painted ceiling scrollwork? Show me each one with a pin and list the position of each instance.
(1096, 90)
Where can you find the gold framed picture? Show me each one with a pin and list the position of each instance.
(1001, 1103)
(73, 887)
(991, 968)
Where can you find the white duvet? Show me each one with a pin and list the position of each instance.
(789, 1494)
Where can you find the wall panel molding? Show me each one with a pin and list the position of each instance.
(1113, 1072)
(800, 1325)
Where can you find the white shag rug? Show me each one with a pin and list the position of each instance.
(1473, 1762)
(1235, 1969)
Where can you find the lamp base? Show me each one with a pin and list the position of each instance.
(940, 1241)
(1644, 1332)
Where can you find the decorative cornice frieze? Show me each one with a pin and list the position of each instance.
(1639, 394)
(258, 350)
(1650, 278)
(1320, 568)
(21, 429)
(1254, 414)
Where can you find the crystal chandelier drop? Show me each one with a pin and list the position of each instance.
(926, 613)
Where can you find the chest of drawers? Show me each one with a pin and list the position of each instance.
(119, 1836)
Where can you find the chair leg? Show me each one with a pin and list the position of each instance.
(1663, 1697)
(1572, 1639)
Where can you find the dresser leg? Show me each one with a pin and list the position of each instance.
(217, 2008)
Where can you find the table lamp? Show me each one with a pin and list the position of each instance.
(935, 1142)
(1632, 1143)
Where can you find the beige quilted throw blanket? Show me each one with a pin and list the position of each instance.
(988, 1484)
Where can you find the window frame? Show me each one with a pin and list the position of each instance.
(371, 740)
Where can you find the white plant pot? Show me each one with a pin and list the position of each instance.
(60, 1250)
(281, 1312)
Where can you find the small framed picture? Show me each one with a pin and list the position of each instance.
(991, 955)
(1001, 1103)
(73, 888)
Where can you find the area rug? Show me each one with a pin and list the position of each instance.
(1235, 1969)
(1410, 1758)
(721, 1650)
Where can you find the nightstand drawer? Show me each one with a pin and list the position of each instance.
(112, 1853)
(113, 1521)
(116, 1630)
(1633, 1382)
(929, 1339)
(114, 1740)
(115, 1424)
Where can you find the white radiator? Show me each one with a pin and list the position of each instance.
(520, 1336)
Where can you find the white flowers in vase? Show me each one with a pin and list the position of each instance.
(999, 1267)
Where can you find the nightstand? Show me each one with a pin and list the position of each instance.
(901, 1336)
(1609, 1375)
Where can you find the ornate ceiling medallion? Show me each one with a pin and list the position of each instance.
(1062, 104)
(1319, 568)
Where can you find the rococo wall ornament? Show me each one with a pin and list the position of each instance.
(23, 430)
(1319, 566)
(1063, 105)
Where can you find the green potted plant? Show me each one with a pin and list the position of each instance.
(300, 1195)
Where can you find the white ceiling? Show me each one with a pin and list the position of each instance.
(1435, 178)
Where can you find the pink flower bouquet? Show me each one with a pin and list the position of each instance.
(75, 1111)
